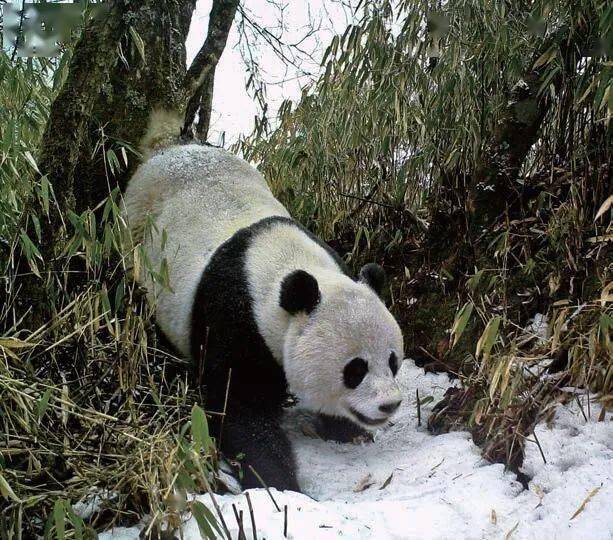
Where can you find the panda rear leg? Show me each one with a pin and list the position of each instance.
(256, 440)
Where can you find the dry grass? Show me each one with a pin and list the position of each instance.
(555, 263)
(93, 408)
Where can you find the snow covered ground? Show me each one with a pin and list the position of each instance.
(409, 484)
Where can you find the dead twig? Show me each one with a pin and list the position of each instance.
(261, 481)
(239, 521)
(251, 515)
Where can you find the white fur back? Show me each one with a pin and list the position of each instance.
(200, 196)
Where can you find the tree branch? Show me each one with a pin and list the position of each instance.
(206, 107)
(203, 66)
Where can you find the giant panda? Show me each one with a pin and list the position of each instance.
(262, 304)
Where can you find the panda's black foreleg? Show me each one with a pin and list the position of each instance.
(255, 439)
(343, 430)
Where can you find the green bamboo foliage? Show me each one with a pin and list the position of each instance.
(410, 95)
(25, 97)
(398, 128)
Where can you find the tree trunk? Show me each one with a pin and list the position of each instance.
(494, 186)
(149, 72)
(128, 61)
(201, 73)
(205, 108)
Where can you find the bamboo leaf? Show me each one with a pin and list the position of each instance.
(460, 322)
(606, 296)
(59, 517)
(30, 159)
(77, 522)
(44, 193)
(206, 520)
(43, 403)
(6, 491)
(200, 429)
(545, 58)
(488, 338)
(14, 343)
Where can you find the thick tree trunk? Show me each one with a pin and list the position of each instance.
(127, 62)
(67, 128)
(140, 56)
(149, 72)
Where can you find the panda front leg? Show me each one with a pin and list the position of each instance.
(342, 430)
(256, 440)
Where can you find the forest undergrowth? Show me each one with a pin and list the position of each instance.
(504, 284)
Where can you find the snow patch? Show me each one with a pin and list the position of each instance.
(539, 327)
(440, 487)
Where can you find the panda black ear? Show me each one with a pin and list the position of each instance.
(299, 292)
(374, 276)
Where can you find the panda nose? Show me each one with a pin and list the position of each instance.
(391, 407)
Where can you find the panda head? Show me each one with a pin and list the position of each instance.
(343, 347)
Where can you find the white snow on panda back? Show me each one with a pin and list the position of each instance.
(198, 197)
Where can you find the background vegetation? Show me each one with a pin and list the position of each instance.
(464, 145)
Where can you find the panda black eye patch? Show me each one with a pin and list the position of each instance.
(393, 362)
(354, 372)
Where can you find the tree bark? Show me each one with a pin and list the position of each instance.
(149, 72)
(69, 119)
(205, 109)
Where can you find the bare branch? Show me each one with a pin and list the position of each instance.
(203, 66)
(206, 107)
(278, 46)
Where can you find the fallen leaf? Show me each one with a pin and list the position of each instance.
(364, 484)
(387, 481)
(584, 503)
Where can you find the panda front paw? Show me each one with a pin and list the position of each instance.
(266, 472)
(256, 447)
(342, 430)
